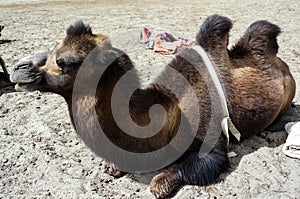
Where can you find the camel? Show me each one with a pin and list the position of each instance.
(1, 28)
(258, 86)
(4, 76)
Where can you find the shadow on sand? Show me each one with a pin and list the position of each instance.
(4, 41)
(273, 136)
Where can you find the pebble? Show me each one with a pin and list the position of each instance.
(5, 131)
(233, 194)
(5, 111)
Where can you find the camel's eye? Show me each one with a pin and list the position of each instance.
(61, 63)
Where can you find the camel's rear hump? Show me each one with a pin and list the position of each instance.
(259, 39)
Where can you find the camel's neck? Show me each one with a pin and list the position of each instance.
(114, 108)
(86, 97)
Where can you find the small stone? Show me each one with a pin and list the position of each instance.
(5, 111)
(5, 131)
(264, 163)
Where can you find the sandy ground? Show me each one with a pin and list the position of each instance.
(42, 157)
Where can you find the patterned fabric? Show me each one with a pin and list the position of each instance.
(163, 41)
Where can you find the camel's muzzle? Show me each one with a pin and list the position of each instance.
(27, 70)
(24, 74)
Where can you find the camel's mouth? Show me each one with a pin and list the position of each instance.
(26, 84)
(21, 87)
(25, 81)
(22, 84)
(26, 72)
(25, 87)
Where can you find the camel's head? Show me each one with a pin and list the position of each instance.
(55, 71)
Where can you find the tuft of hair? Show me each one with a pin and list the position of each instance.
(260, 38)
(213, 31)
(78, 29)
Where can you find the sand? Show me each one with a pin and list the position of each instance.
(41, 155)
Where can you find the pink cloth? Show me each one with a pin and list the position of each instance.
(163, 41)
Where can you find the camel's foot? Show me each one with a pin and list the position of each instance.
(166, 182)
(111, 169)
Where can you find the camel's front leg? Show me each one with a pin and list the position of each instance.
(168, 180)
(192, 169)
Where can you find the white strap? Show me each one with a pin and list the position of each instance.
(226, 122)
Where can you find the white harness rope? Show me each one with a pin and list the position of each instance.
(226, 122)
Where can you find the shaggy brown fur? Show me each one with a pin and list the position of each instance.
(258, 85)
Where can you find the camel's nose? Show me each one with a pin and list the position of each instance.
(16, 67)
